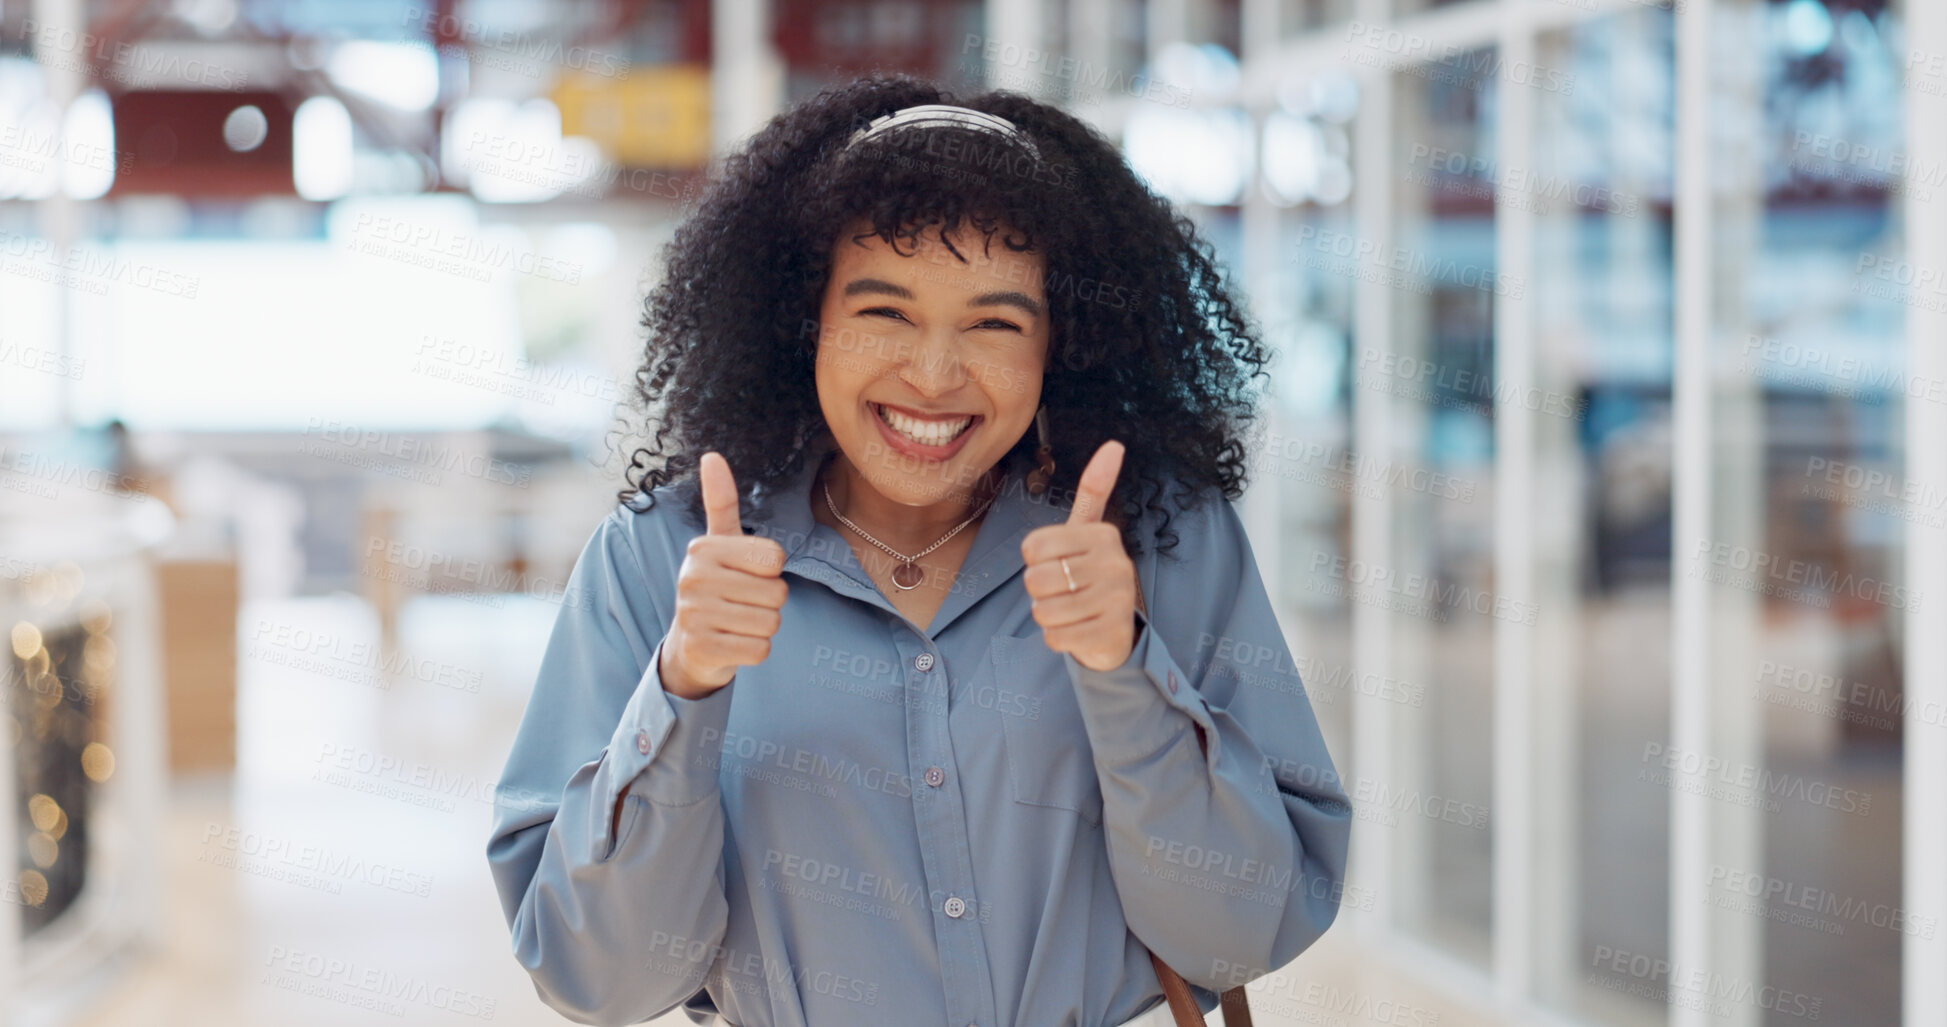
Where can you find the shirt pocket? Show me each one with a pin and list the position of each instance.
(1049, 760)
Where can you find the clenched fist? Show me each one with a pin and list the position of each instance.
(1094, 620)
(730, 593)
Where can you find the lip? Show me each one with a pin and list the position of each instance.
(902, 444)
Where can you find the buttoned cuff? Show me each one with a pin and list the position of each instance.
(1138, 708)
(666, 746)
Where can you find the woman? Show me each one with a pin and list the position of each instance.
(924, 675)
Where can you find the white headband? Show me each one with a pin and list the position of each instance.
(933, 115)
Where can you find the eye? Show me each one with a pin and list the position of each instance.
(995, 322)
(882, 310)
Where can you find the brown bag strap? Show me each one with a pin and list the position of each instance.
(1176, 991)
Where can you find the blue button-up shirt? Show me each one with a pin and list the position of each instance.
(885, 823)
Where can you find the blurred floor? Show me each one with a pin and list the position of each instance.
(341, 877)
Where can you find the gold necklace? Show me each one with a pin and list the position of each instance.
(906, 570)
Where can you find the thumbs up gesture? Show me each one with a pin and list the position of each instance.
(1086, 609)
(730, 593)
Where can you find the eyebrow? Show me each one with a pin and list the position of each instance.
(881, 287)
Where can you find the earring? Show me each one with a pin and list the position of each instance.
(1045, 456)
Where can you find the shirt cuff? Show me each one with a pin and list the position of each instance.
(1134, 710)
(665, 748)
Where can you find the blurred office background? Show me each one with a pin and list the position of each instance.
(1603, 482)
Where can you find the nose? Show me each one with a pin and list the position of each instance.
(935, 367)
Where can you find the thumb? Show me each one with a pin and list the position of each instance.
(1098, 480)
(719, 495)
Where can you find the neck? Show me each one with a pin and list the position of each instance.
(905, 528)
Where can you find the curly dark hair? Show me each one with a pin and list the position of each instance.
(1146, 343)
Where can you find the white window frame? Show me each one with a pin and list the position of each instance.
(1525, 850)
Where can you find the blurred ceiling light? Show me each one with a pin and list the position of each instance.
(508, 153)
(1313, 364)
(26, 640)
(1335, 96)
(210, 17)
(1292, 152)
(32, 170)
(1334, 181)
(1200, 155)
(90, 146)
(588, 243)
(402, 75)
(1206, 71)
(307, 53)
(1294, 94)
(1858, 31)
(245, 128)
(1807, 27)
(321, 149)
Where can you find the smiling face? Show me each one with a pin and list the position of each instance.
(929, 368)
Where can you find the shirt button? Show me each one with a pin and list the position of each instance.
(924, 661)
(934, 776)
(955, 906)
(642, 742)
(1172, 682)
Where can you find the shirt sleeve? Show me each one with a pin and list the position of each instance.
(614, 926)
(1229, 860)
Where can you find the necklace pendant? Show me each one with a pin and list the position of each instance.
(907, 576)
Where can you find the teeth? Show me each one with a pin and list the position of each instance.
(926, 433)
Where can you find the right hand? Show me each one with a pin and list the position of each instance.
(730, 594)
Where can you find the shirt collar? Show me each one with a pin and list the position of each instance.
(782, 511)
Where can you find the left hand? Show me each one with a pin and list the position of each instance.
(1096, 621)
